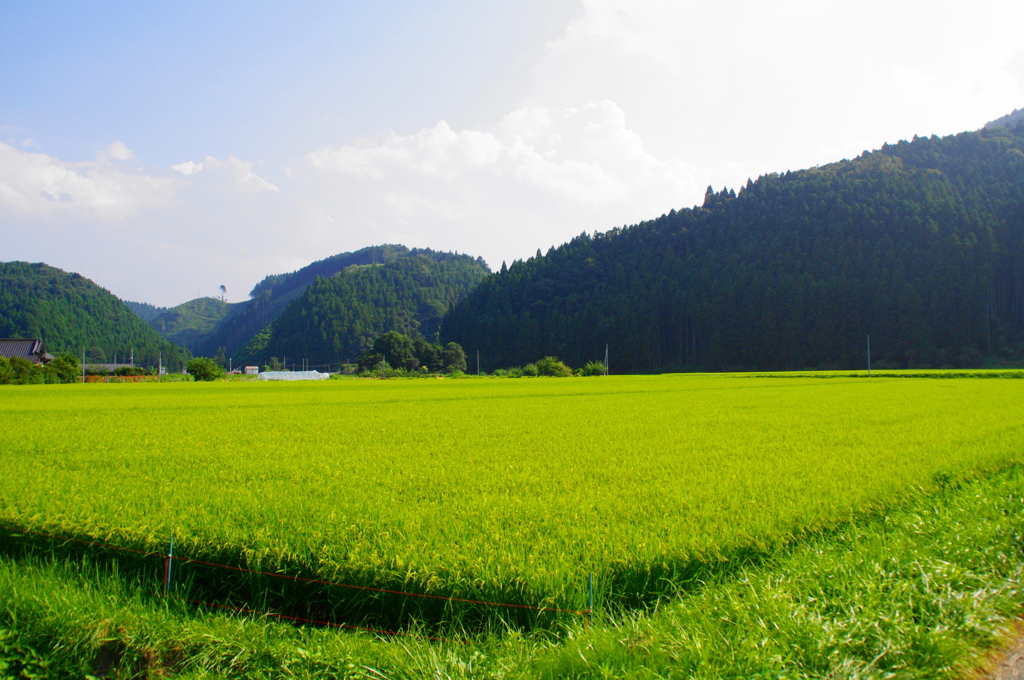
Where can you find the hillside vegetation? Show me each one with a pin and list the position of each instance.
(191, 323)
(144, 310)
(338, 317)
(245, 331)
(919, 245)
(70, 312)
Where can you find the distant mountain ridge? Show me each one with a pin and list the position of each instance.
(71, 313)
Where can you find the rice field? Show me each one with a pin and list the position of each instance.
(504, 490)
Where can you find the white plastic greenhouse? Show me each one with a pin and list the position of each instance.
(293, 375)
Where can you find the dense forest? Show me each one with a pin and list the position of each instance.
(338, 317)
(919, 244)
(144, 310)
(70, 312)
(191, 323)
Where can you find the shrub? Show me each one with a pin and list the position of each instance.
(530, 370)
(553, 368)
(204, 368)
(592, 368)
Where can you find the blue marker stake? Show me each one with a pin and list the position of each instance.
(170, 560)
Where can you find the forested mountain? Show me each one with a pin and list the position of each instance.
(338, 317)
(70, 312)
(919, 245)
(191, 323)
(1009, 120)
(270, 297)
(144, 310)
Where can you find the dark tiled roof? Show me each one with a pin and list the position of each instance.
(31, 349)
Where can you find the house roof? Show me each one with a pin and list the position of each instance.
(26, 348)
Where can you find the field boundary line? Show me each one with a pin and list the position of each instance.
(188, 560)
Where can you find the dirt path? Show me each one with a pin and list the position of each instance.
(1009, 665)
(1006, 663)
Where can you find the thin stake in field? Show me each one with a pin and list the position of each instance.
(167, 569)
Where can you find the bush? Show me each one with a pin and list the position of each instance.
(529, 370)
(372, 361)
(592, 368)
(204, 368)
(67, 368)
(553, 368)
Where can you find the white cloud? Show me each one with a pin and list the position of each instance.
(156, 234)
(119, 152)
(539, 178)
(35, 184)
(187, 168)
(585, 154)
(232, 174)
(776, 86)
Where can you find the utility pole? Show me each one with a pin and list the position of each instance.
(868, 356)
(478, 362)
(606, 358)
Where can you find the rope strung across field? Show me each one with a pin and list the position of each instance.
(187, 560)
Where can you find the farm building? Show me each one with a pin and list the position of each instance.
(30, 349)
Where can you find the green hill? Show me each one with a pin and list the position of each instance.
(337, 317)
(191, 323)
(245, 331)
(270, 297)
(919, 245)
(70, 312)
(144, 310)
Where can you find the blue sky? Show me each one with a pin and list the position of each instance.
(164, 149)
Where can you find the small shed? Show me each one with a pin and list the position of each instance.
(252, 370)
(25, 348)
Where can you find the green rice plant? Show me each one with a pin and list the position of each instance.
(919, 592)
(504, 491)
